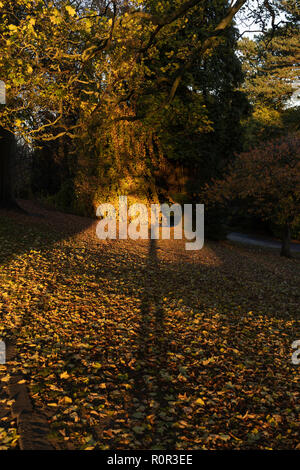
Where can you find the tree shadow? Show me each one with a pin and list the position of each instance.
(154, 386)
(165, 327)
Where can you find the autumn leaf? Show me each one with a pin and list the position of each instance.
(71, 10)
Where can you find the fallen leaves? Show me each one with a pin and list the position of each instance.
(121, 353)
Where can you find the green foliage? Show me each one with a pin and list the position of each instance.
(79, 73)
(65, 199)
(271, 69)
(76, 74)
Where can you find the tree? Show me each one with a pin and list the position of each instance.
(7, 148)
(72, 67)
(268, 178)
(271, 66)
(200, 129)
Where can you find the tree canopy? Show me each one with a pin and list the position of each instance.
(268, 177)
(65, 63)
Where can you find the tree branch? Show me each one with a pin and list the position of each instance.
(224, 23)
(167, 19)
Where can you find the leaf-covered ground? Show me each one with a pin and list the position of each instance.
(139, 345)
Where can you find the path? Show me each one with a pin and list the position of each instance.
(259, 241)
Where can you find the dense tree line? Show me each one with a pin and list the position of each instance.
(147, 98)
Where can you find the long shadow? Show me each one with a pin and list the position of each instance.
(120, 275)
(153, 387)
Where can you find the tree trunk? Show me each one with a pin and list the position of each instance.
(7, 142)
(286, 242)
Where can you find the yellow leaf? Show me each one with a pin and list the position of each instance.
(5, 379)
(71, 10)
(64, 375)
(199, 401)
(67, 400)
